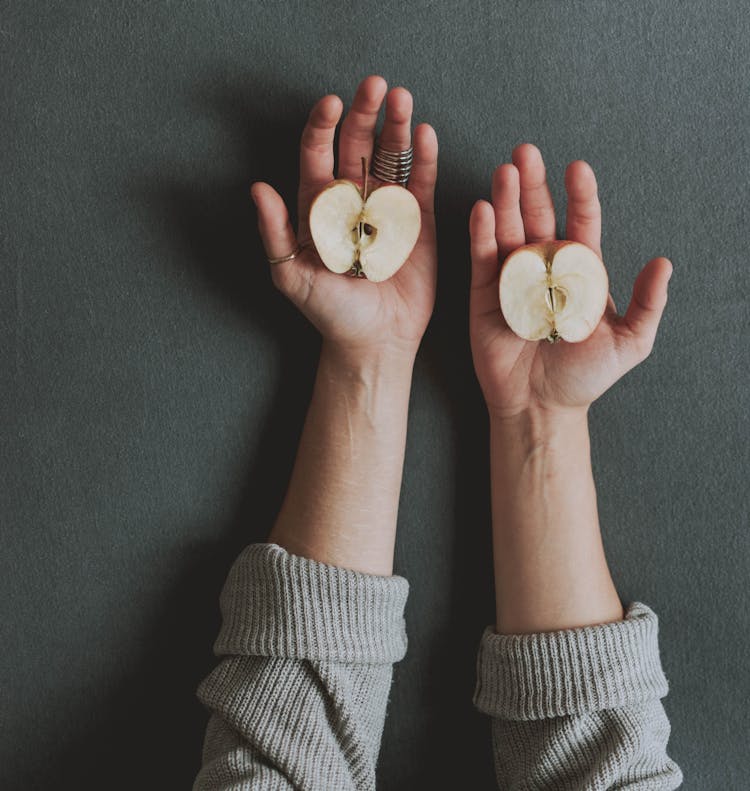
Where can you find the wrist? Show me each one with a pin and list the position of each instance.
(384, 365)
(538, 426)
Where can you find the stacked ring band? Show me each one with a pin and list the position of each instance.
(392, 166)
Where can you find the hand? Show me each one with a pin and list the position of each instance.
(353, 313)
(518, 375)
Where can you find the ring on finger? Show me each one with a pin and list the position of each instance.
(392, 166)
(284, 258)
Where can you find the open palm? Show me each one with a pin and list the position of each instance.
(516, 374)
(347, 310)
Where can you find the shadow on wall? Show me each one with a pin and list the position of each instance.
(440, 741)
(148, 732)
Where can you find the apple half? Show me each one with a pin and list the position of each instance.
(553, 290)
(371, 237)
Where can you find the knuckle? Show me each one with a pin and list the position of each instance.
(534, 209)
(317, 147)
(586, 216)
(538, 212)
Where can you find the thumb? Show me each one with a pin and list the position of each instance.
(279, 239)
(484, 263)
(483, 244)
(647, 305)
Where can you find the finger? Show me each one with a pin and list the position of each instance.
(647, 305)
(584, 218)
(358, 128)
(424, 168)
(316, 149)
(506, 195)
(484, 263)
(536, 202)
(396, 132)
(277, 234)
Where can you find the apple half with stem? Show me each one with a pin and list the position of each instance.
(365, 235)
(553, 290)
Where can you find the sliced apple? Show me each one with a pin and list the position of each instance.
(371, 238)
(553, 290)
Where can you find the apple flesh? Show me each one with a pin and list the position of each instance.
(372, 238)
(553, 290)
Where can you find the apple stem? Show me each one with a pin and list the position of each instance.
(364, 178)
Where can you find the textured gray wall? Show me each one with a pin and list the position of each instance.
(154, 384)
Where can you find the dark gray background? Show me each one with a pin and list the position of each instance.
(154, 383)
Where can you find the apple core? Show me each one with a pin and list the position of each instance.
(553, 291)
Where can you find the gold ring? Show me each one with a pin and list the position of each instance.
(284, 258)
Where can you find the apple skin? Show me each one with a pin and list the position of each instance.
(594, 284)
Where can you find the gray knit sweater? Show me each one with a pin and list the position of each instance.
(298, 698)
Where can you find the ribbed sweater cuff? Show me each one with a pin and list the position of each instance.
(573, 671)
(281, 605)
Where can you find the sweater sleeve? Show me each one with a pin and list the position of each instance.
(578, 709)
(298, 697)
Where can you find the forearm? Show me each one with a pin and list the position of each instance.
(572, 683)
(307, 638)
(550, 568)
(342, 503)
